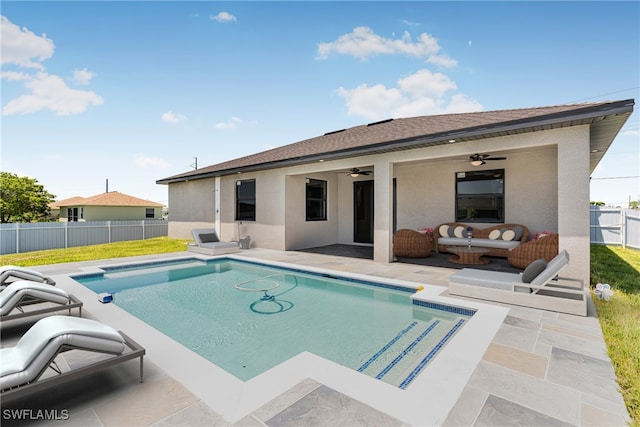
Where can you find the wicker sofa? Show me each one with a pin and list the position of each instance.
(498, 239)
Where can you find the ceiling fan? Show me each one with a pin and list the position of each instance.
(480, 159)
(355, 172)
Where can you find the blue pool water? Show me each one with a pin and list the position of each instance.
(248, 317)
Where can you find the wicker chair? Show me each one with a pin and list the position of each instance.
(543, 247)
(411, 244)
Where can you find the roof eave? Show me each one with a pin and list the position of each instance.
(571, 118)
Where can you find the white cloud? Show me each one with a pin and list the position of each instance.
(422, 93)
(50, 92)
(157, 162)
(170, 117)
(223, 17)
(631, 132)
(22, 47)
(82, 77)
(231, 124)
(363, 43)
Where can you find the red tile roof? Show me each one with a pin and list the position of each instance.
(112, 198)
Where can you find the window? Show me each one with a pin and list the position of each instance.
(150, 213)
(480, 196)
(75, 214)
(316, 200)
(246, 200)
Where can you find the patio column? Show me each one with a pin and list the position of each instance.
(573, 201)
(383, 211)
(216, 203)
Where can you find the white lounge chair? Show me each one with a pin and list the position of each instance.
(26, 298)
(538, 286)
(8, 272)
(23, 365)
(207, 242)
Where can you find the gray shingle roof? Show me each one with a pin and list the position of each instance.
(413, 132)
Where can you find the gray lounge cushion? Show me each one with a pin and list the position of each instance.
(209, 238)
(479, 243)
(533, 270)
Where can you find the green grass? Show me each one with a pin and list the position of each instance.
(619, 317)
(95, 252)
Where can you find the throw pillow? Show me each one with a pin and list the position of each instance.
(519, 232)
(443, 230)
(533, 270)
(209, 238)
(494, 235)
(508, 235)
(452, 232)
(459, 230)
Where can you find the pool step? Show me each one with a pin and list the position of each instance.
(408, 353)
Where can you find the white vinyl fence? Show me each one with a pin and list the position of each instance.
(27, 237)
(615, 226)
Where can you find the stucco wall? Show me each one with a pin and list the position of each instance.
(426, 191)
(113, 213)
(301, 233)
(192, 201)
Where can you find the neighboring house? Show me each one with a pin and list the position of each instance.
(109, 206)
(305, 194)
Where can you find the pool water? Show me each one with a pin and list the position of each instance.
(248, 317)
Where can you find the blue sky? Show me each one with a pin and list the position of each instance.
(133, 91)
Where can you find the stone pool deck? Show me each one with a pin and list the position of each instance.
(540, 368)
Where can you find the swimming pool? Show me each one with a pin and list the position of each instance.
(251, 317)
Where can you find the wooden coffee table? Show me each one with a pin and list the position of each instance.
(468, 255)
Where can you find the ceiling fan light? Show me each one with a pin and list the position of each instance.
(477, 162)
(354, 174)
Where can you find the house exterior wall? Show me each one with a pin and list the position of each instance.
(191, 205)
(112, 213)
(300, 233)
(546, 186)
(426, 191)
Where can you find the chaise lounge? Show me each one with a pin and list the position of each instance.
(23, 366)
(207, 242)
(25, 298)
(8, 272)
(537, 286)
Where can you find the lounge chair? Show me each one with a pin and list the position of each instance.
(207, 242)
(538, 286)
(23, 365)
(37, 298)
(8, 272)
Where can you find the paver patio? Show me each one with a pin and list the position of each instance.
(541, 368)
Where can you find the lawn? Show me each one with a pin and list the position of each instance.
(619, 317)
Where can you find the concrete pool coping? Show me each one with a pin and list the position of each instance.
(426, 401)
(541, 368)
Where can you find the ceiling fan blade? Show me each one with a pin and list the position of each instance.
(496, 158)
